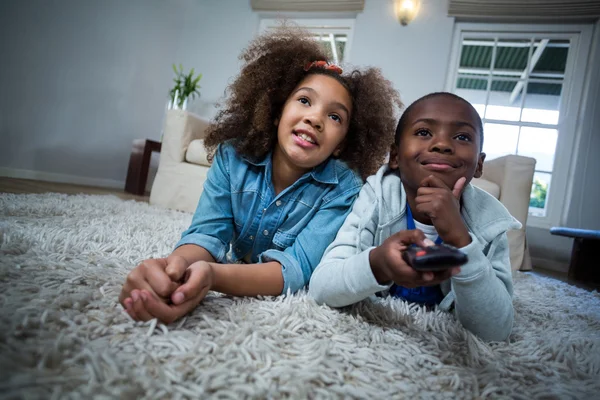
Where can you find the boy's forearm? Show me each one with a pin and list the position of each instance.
(248, 279)
(193, 253)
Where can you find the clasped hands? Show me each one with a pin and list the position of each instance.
(165, 288)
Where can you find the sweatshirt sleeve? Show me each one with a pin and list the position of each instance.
(483, 290)
(344, 274)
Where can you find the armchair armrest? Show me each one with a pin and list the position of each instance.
(181, 127)
(514, 175)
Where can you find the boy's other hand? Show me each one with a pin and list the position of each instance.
(388, 265)
(158, 276)
(198, 279)
(442, 205)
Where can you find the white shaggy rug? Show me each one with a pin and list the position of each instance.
(64, 335)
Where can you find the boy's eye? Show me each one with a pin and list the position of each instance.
(422, 132)
(463, 137)
(304, 100)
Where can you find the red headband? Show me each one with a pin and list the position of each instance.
(324, 65)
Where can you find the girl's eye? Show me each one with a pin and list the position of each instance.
(463, 137)
(304, 100)
(336, 118)
(422, 132)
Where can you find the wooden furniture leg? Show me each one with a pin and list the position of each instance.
(139, 164)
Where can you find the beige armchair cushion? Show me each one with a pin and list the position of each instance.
(489, 186)
(179, 183)
(514, 176)
(196, 153)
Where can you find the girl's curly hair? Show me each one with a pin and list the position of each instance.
(273, 66)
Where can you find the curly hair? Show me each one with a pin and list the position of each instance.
(273, 66)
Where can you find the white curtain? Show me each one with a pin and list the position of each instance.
(308, 5)
(559, 10)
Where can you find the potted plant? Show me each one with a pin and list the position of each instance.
(186, 87)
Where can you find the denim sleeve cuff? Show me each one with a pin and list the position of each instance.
(213, 245)
(293, 278)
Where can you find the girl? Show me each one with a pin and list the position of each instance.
(289, 152)
(423, 196)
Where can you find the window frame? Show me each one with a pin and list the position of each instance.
(318, 25)
(570, 117)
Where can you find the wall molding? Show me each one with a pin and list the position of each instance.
(61, 178)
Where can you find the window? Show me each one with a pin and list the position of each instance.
(335, 35)
(526, 84)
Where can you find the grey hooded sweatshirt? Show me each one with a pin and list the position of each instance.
(481, 292)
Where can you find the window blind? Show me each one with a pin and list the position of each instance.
(308, 5)
(573, 10)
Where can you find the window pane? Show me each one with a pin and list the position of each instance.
(340, 44)
(334, 45)
(539, 193)
(501, 105)
(539, 143)
(476, 54)
(542, 103)
(473, 90)
(499, 140)
(511, 56)
(553, 59)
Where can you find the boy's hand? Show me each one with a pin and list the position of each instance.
(198, 279)
(442, 205)
(387, 263)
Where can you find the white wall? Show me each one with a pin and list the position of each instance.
(81, 79)
(414, 57)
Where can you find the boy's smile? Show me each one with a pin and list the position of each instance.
(440, 138)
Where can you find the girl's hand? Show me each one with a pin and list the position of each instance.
(198, 279)
(442, 205)
(160, 277)
(388, 265)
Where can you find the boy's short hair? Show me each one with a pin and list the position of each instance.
(403, 119)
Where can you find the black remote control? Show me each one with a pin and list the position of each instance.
(434, 258)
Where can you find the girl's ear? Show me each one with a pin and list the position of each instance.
(276, 122)
(393, 162)
(479, 169)
(338, 150)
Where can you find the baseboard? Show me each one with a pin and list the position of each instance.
(552, 265)
(61, 178)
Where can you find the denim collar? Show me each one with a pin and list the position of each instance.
(326, 172)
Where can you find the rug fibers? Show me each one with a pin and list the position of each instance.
(63, 334)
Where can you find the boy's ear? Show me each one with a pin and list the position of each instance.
(479, 169)
(393, 162)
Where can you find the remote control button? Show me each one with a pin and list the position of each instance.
(421, 253)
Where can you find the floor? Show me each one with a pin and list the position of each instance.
(14, 185)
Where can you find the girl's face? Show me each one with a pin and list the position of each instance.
(441, 138)
(313, 123)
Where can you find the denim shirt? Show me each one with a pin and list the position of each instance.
(238, 208)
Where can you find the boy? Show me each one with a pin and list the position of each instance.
(422, 196)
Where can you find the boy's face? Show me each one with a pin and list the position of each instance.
(441, 138)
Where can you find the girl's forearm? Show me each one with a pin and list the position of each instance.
(248, 279)
(193, 253)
